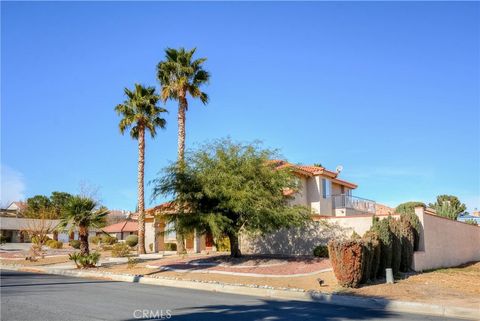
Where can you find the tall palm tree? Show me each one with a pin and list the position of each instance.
(83, 213)
(180, 75)
(140, 113)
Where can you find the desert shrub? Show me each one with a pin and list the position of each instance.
(170, 247)
(107, 239)
(346, 258)
(75, 244)
(85, 261)
(36, 239)
(120, 250)
(371, 237)
(396, 244)
(320, 251)
(382, 228)
(54, 244)
(94, 239)
(132, 262)
(131, 240)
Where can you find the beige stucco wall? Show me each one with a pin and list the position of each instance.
(150, 236)
(300, 198)
(301, 241)
(445, 243)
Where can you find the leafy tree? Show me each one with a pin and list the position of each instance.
(229, 188)
(140, 113)
(59, 201)
(179, 75)
(83, 213)
(38, 202)
(448, 206)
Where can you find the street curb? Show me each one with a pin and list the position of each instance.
(267, 292)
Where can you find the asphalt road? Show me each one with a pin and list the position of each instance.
(31, 296)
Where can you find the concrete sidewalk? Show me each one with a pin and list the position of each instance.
(269, 292)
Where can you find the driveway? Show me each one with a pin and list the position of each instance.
(32, 296)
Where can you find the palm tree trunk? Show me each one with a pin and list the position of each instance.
(141, 196)
(182, 108)
(83, 236)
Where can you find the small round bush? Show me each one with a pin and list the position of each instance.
(107, 239)
(320, 251)
(120, 250)
(54, 244)
(75, 244)
(131, 240)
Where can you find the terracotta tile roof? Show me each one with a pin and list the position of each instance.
(308, 170)
(125, 226)
(381, 209)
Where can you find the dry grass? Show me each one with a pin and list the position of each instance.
(458, 286)
(38, 262)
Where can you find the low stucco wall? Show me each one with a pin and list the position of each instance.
(302, 241)
(445, 243)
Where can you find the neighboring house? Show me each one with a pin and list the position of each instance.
(116, 216)
(13, 209)
(14, 229)
(122, 229)
(469, 217)
(324, 193)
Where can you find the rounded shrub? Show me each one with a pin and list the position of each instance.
(75, 244)
(320, 251)
(131, 240)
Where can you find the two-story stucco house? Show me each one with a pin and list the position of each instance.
(324, 193)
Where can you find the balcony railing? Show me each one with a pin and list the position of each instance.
(354, 203)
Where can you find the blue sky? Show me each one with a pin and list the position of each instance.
(388, 90)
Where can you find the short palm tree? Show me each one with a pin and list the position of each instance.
(83, 213)
(179, 74)
(140, 113)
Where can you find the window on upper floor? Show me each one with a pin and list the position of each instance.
(326, 187)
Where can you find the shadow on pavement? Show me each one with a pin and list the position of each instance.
(273, 310)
